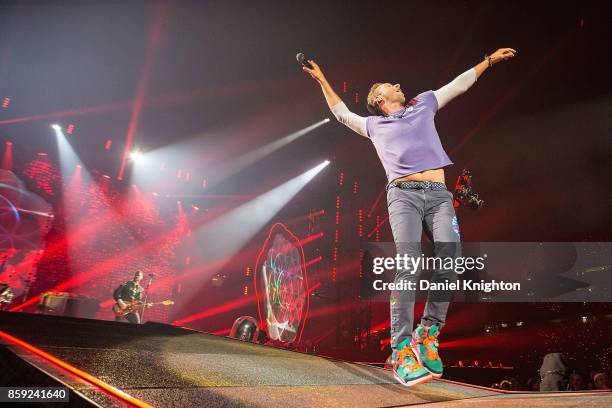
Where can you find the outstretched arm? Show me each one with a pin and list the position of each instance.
(464, 81)
(335, 104)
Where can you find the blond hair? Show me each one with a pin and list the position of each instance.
(372, 105)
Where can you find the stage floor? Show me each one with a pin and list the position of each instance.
(167, 366)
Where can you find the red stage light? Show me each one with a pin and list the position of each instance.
(311, 238)
(7, 160)
(79, 373)
(234, 304)
(379, 224)
(375, 204)
(108, 144)
(6, 102)
(313, 261)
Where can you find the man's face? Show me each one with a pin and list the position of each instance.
(137, 277)
(388, 94)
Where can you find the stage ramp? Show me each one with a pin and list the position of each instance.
(166, 366)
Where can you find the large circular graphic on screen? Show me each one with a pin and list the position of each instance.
(281, 285)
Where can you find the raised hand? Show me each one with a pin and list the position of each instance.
(315, 72)
(502, 54)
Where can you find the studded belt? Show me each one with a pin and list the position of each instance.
(418, 185)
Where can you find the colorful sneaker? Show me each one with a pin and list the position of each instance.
(425, 346)
(406, 368)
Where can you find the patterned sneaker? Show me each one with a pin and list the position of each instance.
(406, 368)
(425, 346)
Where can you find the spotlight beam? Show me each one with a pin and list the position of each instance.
(226, 235)
(145, 73)
(230, 168)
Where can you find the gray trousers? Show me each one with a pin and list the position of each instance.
(409, 211)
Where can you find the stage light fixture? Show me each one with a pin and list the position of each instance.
(56, 127)
(136, 156)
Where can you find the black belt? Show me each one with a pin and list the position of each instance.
(418, 185)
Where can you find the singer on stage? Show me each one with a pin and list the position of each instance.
(408, 145)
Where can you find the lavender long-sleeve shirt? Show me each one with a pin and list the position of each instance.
(407, 141)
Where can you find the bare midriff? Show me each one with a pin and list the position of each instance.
(436, 175)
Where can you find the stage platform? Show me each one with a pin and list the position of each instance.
(166, 366)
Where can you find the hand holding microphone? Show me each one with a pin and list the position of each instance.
(311, 67)
(302, 60)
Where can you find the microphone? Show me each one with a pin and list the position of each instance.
(302, 60)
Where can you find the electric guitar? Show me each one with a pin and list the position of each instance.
(134, 305)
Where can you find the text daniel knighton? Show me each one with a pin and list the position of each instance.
(482, 285)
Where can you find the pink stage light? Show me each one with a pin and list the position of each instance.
(311, 238)
(375, 204)
(7, 160)
(313, 261)
(234, 304)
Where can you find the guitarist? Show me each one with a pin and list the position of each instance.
(127, 292)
